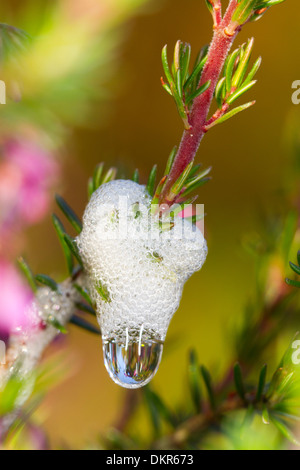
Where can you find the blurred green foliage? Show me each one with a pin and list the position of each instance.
(231, 406)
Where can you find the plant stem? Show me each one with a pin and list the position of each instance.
(191, 139)
(228, 401)
(27, 348)
(197, 424)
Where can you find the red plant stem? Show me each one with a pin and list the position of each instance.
(217, 12)
(191, 139)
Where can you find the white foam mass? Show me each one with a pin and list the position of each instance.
(140, 268)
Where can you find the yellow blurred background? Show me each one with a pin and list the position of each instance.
(248, 159)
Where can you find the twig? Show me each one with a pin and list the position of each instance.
(196, 424)
(26, 348)
(222, 41)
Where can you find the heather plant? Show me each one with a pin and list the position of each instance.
(131, 256)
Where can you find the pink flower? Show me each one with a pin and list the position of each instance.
(15, 301)
(26, 175)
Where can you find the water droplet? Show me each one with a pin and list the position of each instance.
(133, 364)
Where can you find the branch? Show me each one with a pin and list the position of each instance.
(198, 423)
(194, 107)
(222, 41)
(27, 347)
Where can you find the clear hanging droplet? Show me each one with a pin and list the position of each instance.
(134, 363)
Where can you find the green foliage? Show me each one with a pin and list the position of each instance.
(59, 89)
(194, 381)
(10, 393)
(252, 9)
(14, 41)
(209, 387)
(51, 320)
(47, 281)
(25, 269)
(239, 381)
(190, 180)
(151, 181)
(71, 243)
(234, 83)
(61, 236)
(276, 403)
(69, 213)
(72, 256)
(182, 84)
(296, 269)
(241, 390)
(100, 177)
(102, 291)
(84, 293)
(85, 325)
(261, 383)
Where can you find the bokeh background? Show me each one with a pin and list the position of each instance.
(137, 128)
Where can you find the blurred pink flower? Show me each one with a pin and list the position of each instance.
(26, 175)
(16, 298)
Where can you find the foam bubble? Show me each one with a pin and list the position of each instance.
(136, 272)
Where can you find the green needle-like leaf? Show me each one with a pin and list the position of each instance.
(194, 218)
(261, 383)
(84, 293)
(194, 381)
(170, 160)
(298, 257)
(193, 187)
(200, 176)
(61, 235)
(136, 176)
(229, 69)
(244, 11)
(97, 176)
(85, 325)
(155, 200)
(219, 91)
(176, 188)
(151, 181)
(193, 171)
(232, 98)
(239, 382)
(208, 384)
(153, 411)
(158, 409)
(243, 64)
(51, 320)
(109, 176)
(292, 283)
(90, 188)
(194, 75)
(295, 268)
(69, 213)
(209, 6)
(265, 415)
(198, 92)
(231, 113)
(253, 71)
(24, 267)
(73, 247)
(47, 281)
(185, 61)
(102, 291)
(285, 431)
(167, 88)
(85, 308)
(166, 68)
(13, 41)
